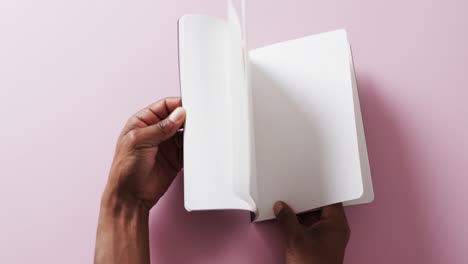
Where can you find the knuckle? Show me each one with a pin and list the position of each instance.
(133, 137)
(132, 120)
(164, 126)
(344, 231)
(347, 232)
(345, 228)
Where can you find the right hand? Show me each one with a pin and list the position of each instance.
(318, 237)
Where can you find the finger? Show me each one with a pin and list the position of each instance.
(152, 114)
(333, 216)
(166, 106)
(287, 218)
(309, 218)
(333, 211)
(172, 149)
(161, 131)
(179, 139)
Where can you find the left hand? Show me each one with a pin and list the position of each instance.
(148, 155)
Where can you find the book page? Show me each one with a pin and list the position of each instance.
(242, 106)
(368, 195)
(210, 135)
(306, 140)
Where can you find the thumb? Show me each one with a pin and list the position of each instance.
(287, 219)
(164, 129)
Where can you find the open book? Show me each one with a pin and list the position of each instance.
(281, 122)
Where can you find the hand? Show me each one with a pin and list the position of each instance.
(314, 237)
(147, 159)
(148, 155)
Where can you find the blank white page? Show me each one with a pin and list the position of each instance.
(209, 181)
(368, 195)
(241, 107)
(306, 146)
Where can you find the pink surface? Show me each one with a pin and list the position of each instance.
(71, 72)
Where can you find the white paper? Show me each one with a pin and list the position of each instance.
(368, 195)
(205, 78)
(306, 138)
(242, 117)
(283, 123)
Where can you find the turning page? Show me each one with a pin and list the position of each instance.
(217, 148)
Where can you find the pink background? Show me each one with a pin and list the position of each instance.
(72, 72)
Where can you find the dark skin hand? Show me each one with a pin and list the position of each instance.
(147, 159)
(314, 237)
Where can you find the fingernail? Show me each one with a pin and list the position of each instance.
(177, 114)
(278, 207)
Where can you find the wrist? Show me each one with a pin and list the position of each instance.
(116, 203)
(122, 235)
